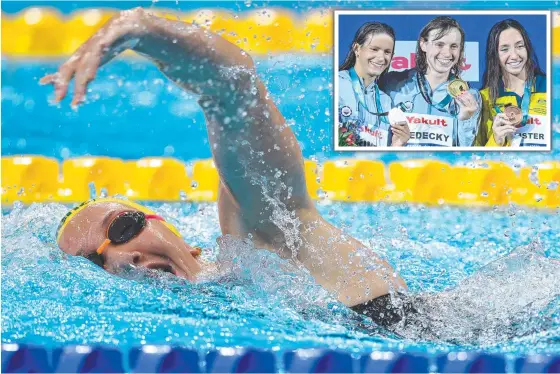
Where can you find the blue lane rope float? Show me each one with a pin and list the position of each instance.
(17, 358)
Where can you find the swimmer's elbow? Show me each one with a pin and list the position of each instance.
(242, 74)
(245, 60)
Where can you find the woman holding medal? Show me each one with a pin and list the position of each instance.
(514, 94)
(363, 108)
(441, 109)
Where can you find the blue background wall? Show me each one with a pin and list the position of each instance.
(477, 27)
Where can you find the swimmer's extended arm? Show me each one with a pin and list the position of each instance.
(256, 153)
(261, 165)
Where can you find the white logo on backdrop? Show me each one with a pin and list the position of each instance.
(405, 58)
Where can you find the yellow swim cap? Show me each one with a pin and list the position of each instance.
(72, 213)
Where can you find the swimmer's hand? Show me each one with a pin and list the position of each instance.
(502, 129)
(467, 105)
(118, 34)
(401, 134)
(196, 59)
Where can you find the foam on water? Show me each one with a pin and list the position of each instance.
(513, 297)
(259, 299)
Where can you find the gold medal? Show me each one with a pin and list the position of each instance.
(456, 87)
(514, 114)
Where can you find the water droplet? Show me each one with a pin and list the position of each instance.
(194, 184)
(552, 186)
(104, 192)
(534, 176)
(64, 153)
(183, 195)
(21, 143)
(169, 150)
(92, 190)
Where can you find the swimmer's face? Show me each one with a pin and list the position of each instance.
(374, 56)
(443, 53)
(512, 51)
(155, 247)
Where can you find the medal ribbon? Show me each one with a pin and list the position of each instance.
(443, 103)
(441, 106)
(358, 88)
(524, 104)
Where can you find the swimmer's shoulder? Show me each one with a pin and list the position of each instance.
(394, 81)
(485, 95)
(477, 93)
(386, 99)
(344, 75)
(344, 83)
(540, 83)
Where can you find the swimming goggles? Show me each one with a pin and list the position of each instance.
(126, 226)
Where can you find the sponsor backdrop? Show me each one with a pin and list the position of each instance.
(407, 28)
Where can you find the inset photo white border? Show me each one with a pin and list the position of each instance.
(407, 26)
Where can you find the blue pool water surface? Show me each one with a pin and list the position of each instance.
(509, 306)
(134, 111)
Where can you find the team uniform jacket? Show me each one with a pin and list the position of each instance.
(535, 133)
(433, 124)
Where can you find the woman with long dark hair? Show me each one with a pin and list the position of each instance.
(362, 107)
(441, 108)
(514, 93)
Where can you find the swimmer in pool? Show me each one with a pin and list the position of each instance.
(258, 159)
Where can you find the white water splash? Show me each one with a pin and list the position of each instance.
(514, 296)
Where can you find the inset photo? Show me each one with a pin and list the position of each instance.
(442, 80)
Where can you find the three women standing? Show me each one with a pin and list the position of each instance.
(440, 109)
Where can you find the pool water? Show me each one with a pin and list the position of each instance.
(257, 299)
(511, 305)
(133, 111)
